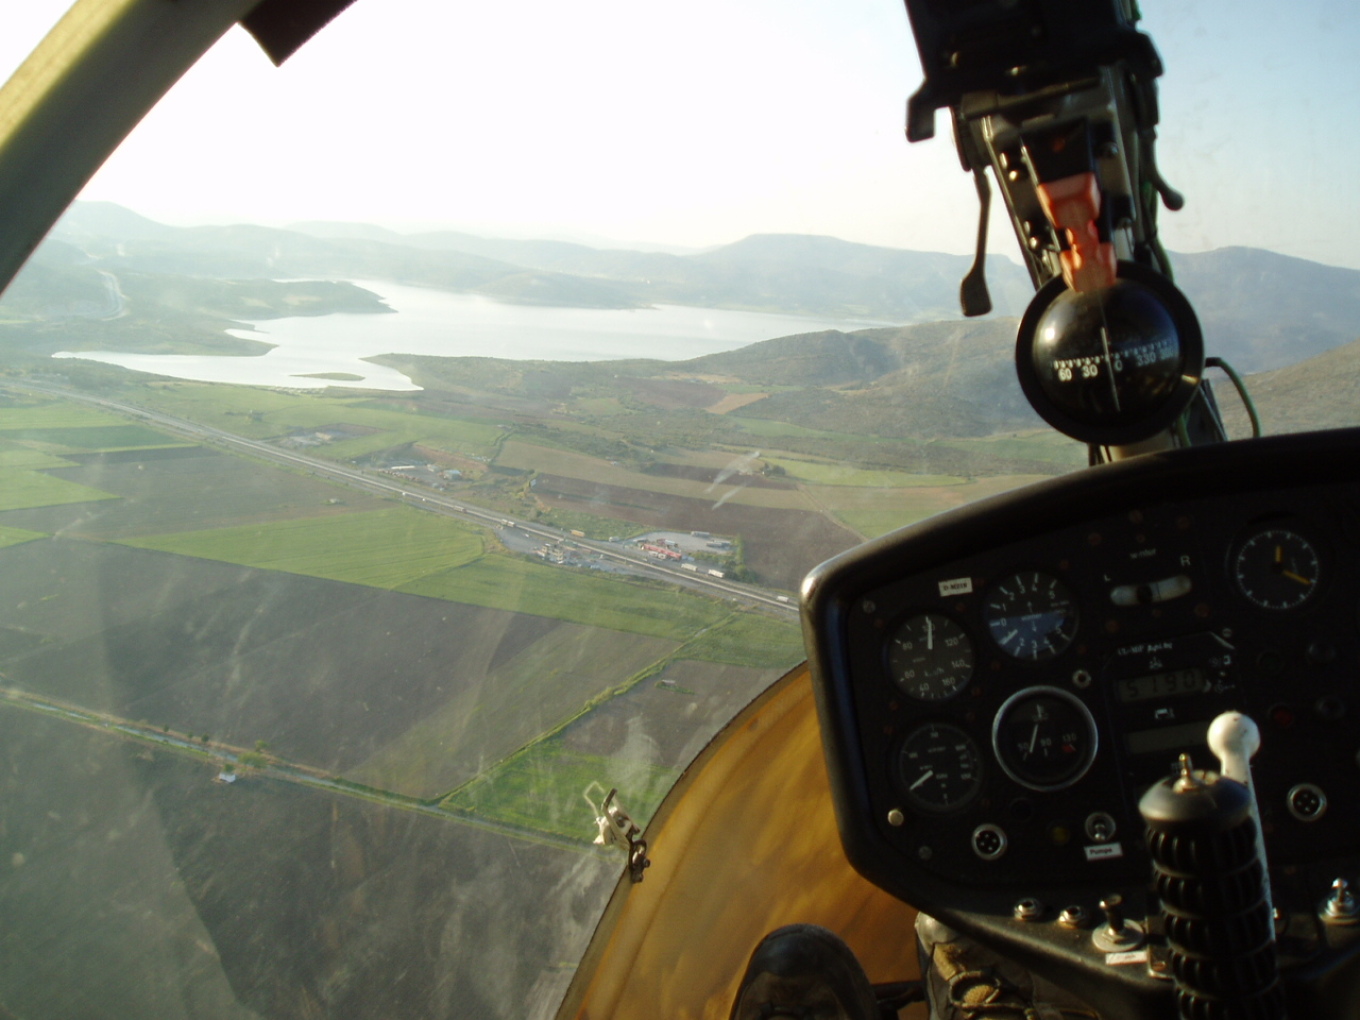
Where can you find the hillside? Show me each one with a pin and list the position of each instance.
(1320, 393)
(1261, 310)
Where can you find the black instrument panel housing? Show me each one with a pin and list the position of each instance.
(1150, 548)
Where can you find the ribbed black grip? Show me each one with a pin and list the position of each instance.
(1211, 882)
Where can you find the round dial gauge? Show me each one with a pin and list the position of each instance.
(1031, 615)
(939, 767)
(1276, 569)
(1044, 738)
(930, 657)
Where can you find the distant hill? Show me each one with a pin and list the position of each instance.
(930, 380)
(105, 220)
(1261, 310)
(1322, 392)
(1258, 309)
(780, 273)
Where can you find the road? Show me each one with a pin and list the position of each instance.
(276, 770)
(432, 502)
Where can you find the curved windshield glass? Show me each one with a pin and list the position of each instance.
(403, 449)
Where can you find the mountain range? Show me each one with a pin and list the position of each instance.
(1259, 310)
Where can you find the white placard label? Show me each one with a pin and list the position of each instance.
(958, 586)
(1127, 957)
(1104, 851)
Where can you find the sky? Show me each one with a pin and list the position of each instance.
(693, 126)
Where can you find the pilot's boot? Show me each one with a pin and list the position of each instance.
(806, 973)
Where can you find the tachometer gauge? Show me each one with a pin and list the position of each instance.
(1044, 738)
(930, 657)
(1031, 615)
(1276, 569)
(939, 767)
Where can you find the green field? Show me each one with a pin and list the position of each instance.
(17, 536)
(598, 528)
(22, 489)
(260, 414)
(544, 687)
(25, 457)
(873, 523)
(56, 415)
(93, 438)
(773, 428)
(824, 473)
(563, 593)
(748, 639)
(1039, 445)
(379, 548)
(543, 788)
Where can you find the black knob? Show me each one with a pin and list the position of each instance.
(1113, 909)
(1208, 873)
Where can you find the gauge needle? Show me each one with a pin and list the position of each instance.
(928, 773)
(1033, 739)
(1296, 577)
(930, 634)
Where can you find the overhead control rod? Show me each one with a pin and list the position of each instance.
(1057, 100)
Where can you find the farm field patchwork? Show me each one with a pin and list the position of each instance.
(380, 548)
(503, 582)
(262, 414)
(748, 639)
(53, 414)
(833, 473)
(734, 487)
(557, 671)
(780, 546)
(191, 488)
(1040, 445)
(874, 512)
(545, 786)
(23, 489)
(329, 675)
(17, 536)
(91, 438)
(669, 717)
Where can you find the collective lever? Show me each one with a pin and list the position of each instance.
(1210, 878)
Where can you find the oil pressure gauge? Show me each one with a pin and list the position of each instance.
(1044, 738)
(1276, 568)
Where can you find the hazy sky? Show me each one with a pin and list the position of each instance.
(697, 125)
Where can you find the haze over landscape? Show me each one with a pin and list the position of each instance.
(304, 684)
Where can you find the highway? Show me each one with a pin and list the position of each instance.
(433, 502)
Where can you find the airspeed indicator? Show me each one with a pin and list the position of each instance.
(930, 657)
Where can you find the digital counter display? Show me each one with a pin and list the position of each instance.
(1172, 684)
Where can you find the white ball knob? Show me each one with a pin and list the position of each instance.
(1235, 738)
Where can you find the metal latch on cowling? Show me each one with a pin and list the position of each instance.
(617, 829)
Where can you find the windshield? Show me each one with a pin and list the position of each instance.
(403, 448)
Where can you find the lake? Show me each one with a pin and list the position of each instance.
(432, 322)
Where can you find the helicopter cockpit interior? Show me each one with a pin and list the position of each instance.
(1086, 722)
(1016, 699)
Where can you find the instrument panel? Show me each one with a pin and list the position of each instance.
(998, 686)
